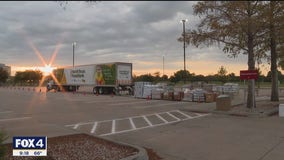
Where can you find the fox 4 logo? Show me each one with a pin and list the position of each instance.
(29, 142)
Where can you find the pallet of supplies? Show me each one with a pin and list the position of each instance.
(209, 97)
(198, 95)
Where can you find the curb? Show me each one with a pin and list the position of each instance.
(141, 155)
(195, 110)
(248, 114)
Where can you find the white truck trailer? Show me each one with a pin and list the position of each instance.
(105, 78)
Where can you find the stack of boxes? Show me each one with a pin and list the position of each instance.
(198, 95)
(139, 89)
(209, 94)
(157, 93)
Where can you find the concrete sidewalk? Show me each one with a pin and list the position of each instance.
(236, 102)
(215, 137)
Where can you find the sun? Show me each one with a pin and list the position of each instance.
(47, 70)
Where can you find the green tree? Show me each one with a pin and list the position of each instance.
(173, 79)
(233, 24)
(269, 76)
(157, 77)
(144, 77)
(179, 75)
(222, 74)
(273, 14)
(280, 47)
(64, 4)
(261, 77)
(198, 77)
(164, 78)
(29, 77)
(222, 71)
(18, 78)
(233, 78)
(3, 75)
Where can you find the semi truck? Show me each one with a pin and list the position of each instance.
(104, 78)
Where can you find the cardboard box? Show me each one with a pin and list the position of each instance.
(223, 103)
(171, 96)
(209, 97)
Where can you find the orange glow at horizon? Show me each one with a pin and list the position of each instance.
(197, 67)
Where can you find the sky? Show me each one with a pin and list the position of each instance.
(137, 32)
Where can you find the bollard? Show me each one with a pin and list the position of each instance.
(148, 98)
(281, 110)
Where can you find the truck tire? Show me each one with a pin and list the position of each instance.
(74, 89)
(101, 91)
(95, 90)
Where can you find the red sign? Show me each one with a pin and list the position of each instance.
(248, 74)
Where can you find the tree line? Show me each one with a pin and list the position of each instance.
(27, 77)
(222, 76)
(3, 75)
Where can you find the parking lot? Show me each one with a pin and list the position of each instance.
(101, 115)
(167, 127)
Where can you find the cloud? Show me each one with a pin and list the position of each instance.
(136, 32)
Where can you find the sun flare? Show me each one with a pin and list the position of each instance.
(47, 70)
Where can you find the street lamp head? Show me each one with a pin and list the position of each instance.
(74, 43)
(183, 21)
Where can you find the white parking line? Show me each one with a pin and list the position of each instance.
(158, 105)
(135, 102)
(76, 126)
(94, 127)
(3, 112)
(103, 100)
(86, 123)
(189, 117)
(199, 114)
(129, 130)
(132, 123)
(173, 116)
(147, 120)
(14, 119)
(113, 126)
(161, 118)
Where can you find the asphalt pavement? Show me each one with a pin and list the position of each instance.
(175, 130)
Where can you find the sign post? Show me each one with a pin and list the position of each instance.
(250, 75)
(245, 93)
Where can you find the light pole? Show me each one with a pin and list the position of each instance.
(73, 44)
(163, 65)
(183, 24)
